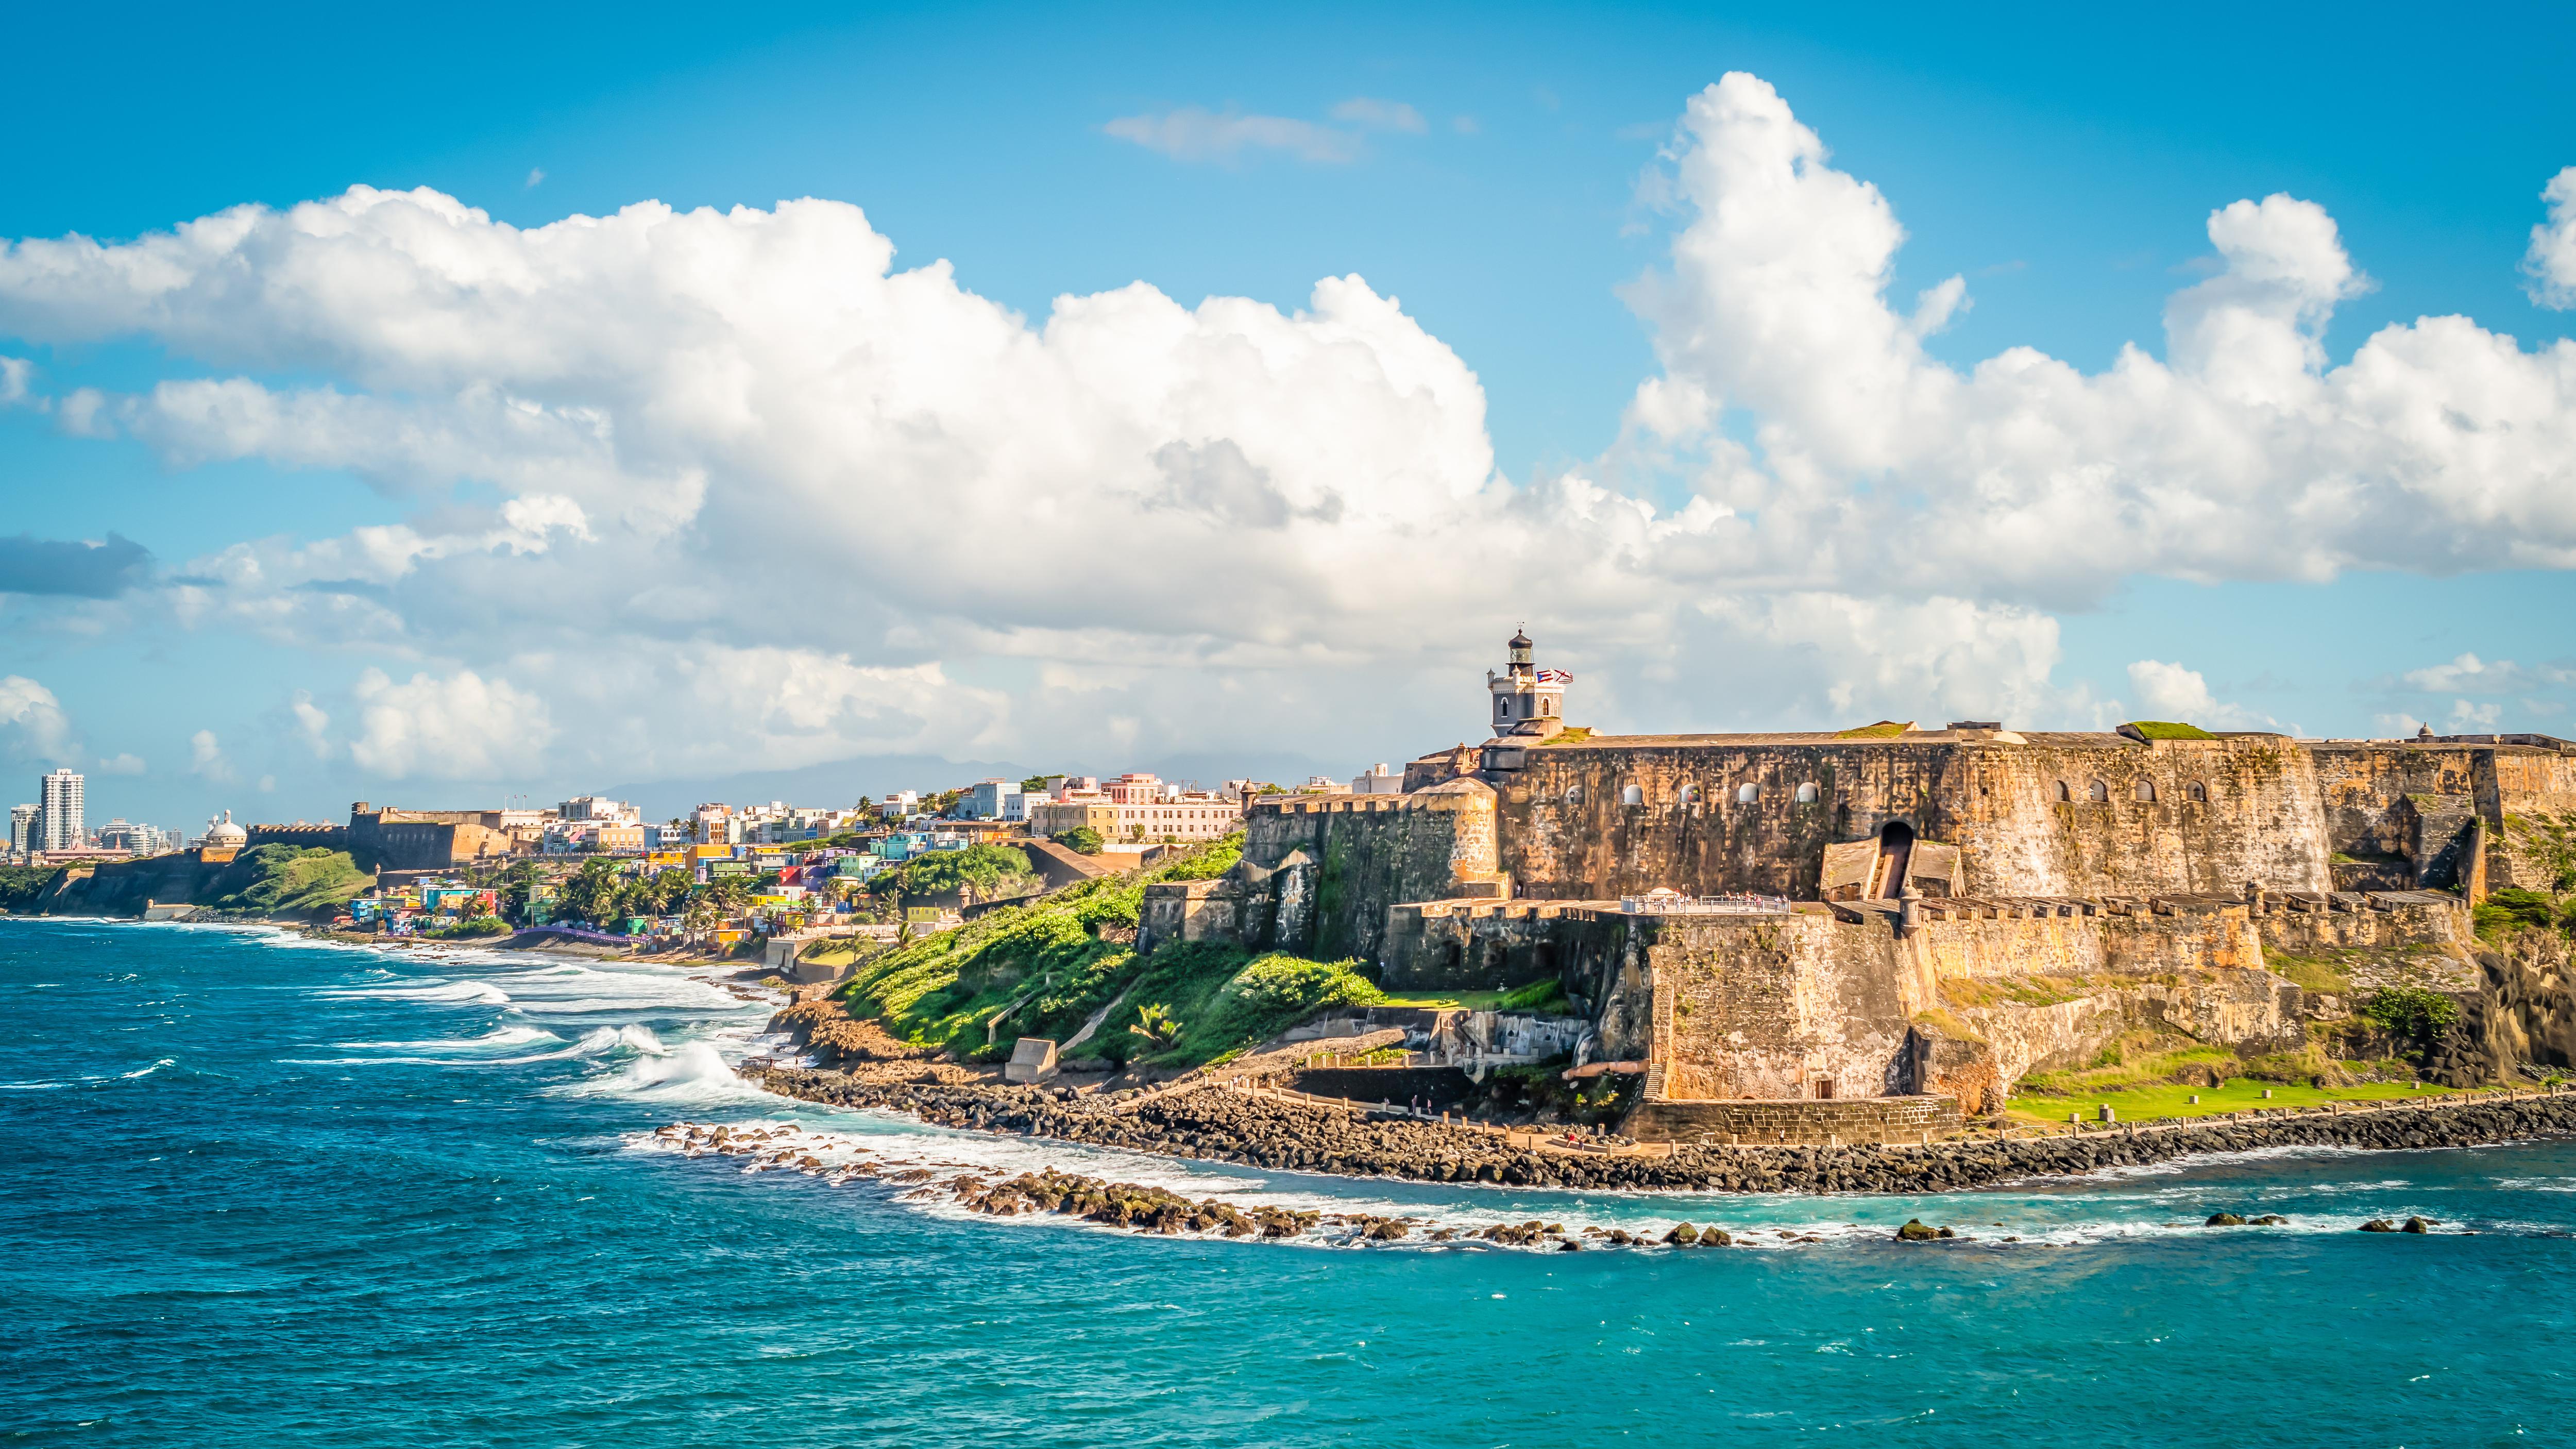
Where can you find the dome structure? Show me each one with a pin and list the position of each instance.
(225, 833)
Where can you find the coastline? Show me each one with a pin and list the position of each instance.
(1223, 1122)
(1229, 1124)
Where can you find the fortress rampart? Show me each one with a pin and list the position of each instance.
(1955, 907)
(1322, 873)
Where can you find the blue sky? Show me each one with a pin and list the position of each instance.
(2064, 167)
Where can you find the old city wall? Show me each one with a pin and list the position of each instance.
(1487, 945)
(326, 837)
(1786, 1006)
(1571, 830)
(2049, 992)
(2534, 847)
(2406, 805)
(1792, 1006)
(1367, 853)
(2209, 938)
(424, 839)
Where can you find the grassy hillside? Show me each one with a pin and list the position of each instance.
(1047, 966)
(288, 880)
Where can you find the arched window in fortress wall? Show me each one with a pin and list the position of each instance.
(2101, 793)
(2147, 791)
(1574, 793)
(2198, 793)
(1807, 793)
(1690, 794)
(1632, 795)
(1747, 794)
(2065, 795)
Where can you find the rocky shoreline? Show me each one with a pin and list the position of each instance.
(1219, 1123)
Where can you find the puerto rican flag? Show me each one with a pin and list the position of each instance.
(1554, 676)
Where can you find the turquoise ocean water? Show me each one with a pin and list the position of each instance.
(262, 1191)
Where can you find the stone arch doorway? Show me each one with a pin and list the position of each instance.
(1895, 851)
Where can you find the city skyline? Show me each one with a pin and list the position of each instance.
(620, 436)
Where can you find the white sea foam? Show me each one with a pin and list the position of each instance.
(603, 1005)
(1786, 1222)
(2537, 1184)
(498, 1039)
(475, 1051)
(599, 1041)
(474, 993)
(692, 1072)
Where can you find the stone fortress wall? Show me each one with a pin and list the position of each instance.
(2070, 887)
(381, 837)
(1322, 875)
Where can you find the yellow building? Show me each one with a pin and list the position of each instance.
(1055, 817)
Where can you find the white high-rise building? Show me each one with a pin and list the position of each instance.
(64, 825)
(22, 828)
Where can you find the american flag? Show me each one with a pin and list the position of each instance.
(1554, 676)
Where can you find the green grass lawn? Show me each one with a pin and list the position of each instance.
(2147, 1104)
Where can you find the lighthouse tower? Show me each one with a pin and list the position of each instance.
(1528, 700)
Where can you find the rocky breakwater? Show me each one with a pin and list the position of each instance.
(1260, 1130)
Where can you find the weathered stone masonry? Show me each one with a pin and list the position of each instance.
(2071, 886)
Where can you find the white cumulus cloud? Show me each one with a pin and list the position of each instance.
(312, 722)
(206, 759)
(2170, 692)
(752, 495)
(2549, 267)
(2241, 454)
(460, 727)
(32, 721)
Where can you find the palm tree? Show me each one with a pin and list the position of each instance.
(1154, 1023)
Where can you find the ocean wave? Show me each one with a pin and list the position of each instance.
(2537, 1184)
(498, 1039)
(693, 1072)
(604, 1005)
(147, 1071)
(599, 1041)
(474, 993)
(475, 1051)
(570, 990)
